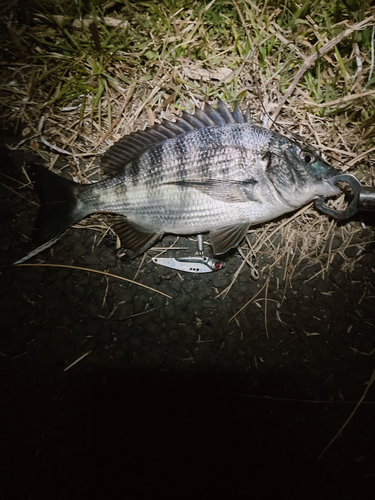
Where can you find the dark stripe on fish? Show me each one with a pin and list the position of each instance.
(134, 169)
(205, 164)
(180, 152)
(155, 167)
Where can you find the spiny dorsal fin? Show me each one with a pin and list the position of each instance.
(237, 114)
(131, 146)
(225, 113)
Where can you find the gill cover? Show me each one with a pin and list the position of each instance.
(300, 175)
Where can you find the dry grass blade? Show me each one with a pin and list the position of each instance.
(20, 195)
(77, 361)
(355, 160)
(342, 100)
(117, 120)
(95, 271)
(265, 307)
(310, 60)
(280, 226)
(236, 274)
(249, 302)
(369, 384)
(297, 400)
(244, 24)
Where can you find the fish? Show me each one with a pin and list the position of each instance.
(213, 171)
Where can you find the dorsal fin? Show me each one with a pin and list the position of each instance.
(131, 146)
(214, 115)
(225, 113)
(237, 114)
(247, 116)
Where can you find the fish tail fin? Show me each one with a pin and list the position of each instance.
(59, 205)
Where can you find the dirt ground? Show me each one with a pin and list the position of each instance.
(172, 399)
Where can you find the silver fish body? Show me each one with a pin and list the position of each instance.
(213, 171)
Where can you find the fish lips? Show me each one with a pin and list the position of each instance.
(327, 180)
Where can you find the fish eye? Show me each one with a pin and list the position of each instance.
(307, 157)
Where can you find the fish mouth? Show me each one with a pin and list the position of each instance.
(325, 183)
(297, 184)
(323, 187)
(332, 188)
(334, 176)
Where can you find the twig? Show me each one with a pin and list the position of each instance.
(311, 60)
(369, 383)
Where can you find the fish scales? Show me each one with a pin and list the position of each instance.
(213, 178)
(199, 155)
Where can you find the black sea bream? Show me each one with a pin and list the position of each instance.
(214, 171)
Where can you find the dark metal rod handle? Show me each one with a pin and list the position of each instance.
(366, 200)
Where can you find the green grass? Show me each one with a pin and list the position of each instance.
(70, 65)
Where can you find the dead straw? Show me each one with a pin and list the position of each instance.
(342, 100)
(311, 60)
(117, 120)
(251, 300)
(18, 194)
(368, 385)
(77, 361)
(105, 273)
(265, 307)
(296, 400)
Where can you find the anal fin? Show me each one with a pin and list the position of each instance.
(227, 237)
(131, 238)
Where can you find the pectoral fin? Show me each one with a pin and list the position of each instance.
(228, 237)
(132, 238)
(223, 190)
